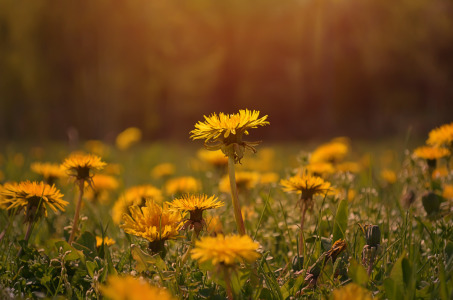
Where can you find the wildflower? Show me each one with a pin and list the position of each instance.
(101, 185)
(306, 185)
(214, 225)
(216, 158)
(337, 247)
(153, 222)
(373, 240)
(388, 176)
(332, 152)
(440, 172)
(226, 250)
(128, 137)
(79, 165)
(182, 185)
(163, 170)
(351, 291)
(441, 136)
(448, 192)
(33, 197)
(431, 153)
(136, 195)
(97, 147)
(320, 168)
(106, 241)
(130, 288)
(268, 178)
(195, 205)
(224, 132)
(49, 171)
(244, 181)
(348, 166)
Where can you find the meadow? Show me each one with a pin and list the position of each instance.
(376, 221)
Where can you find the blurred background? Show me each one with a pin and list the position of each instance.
(318, 68)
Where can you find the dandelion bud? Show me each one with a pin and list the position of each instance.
(373, 235)
(431, 202)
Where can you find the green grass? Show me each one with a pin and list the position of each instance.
(414, 261)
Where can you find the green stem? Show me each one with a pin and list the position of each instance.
(234, 196)
(27, 237)
(192, 243)
(302, 222)
(75, 223)
(228, 284)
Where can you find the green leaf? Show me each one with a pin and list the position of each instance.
(91, 267)
(73, 253)
(357, 273)
(341, 221)
(145, 261)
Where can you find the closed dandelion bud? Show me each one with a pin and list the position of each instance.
(297, 262)
(373, 235)
(431, 202)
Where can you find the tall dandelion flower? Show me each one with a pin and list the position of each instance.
(182, 185)
(32, 197)
(163, 170)
(49, 171)
(136, 195)
(225, 252)
(131, 288)
(128, 137)
(80, 167)
(153, 222)
(307, 186)
(224, 132)
(441, 136)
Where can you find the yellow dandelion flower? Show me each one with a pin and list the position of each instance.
(341, 194)
(337, 247)
(215, 158)
(32, 196)
(49, 171)
(448, 192)
(163, 170)
(352, 291)
(348, 166)
(136, 195)
(152, 222)
(182, 185)
(320, 168)
(224, 132)
(106, 241)
(130, 288)
(440, 172)
(430, 153)
(195, 205)
(388, 176)
(226, 250)
(268, 178)
(112, 169)
(97, 147)
(442, 135)
(244, 181)
(128, 137)
(306, 185)
(79, 165)
(332, 152)
(102, 184)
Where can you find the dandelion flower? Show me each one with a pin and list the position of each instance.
(128, 137)
(79, 165)
(244, 181)
(448, 192)
(332, 152)
(440, 136)
(215, 158)
(348, 166)
(214, 225)
(182, 185)
(136, 195)
(224, 132)
(388, 176)
(306, 185)
(49, 171)
(320, 168)
(163, 170)
(130, 288)
(106, 241)
(34, 197)
(352, 291)
(431, 153)
(153, 222)
(226, 250)
(195, 205)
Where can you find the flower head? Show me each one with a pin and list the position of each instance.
(388, 176)
(195, 205)
(352, 291)
(106, 241)
(128, 137)
(216, 158)
(224, 132)
(49, 171)
(130, 288)
(306, 185)
(244, 181)
(320, 168)
(442, 135)
(33, 197)
(182, 185)
(337, 247)
(79, 165)
(226, 250)
(431, 153)
(163, 170)
(332, 152)
(136, 195)
(153, 222)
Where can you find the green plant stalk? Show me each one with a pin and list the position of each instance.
(302, 222)
(234, 196)
(228, 284)
(192, 243)
(75, 223)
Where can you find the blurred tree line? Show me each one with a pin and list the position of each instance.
(316, 67)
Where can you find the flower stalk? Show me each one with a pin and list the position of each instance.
(75, 223)
(234, 197)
